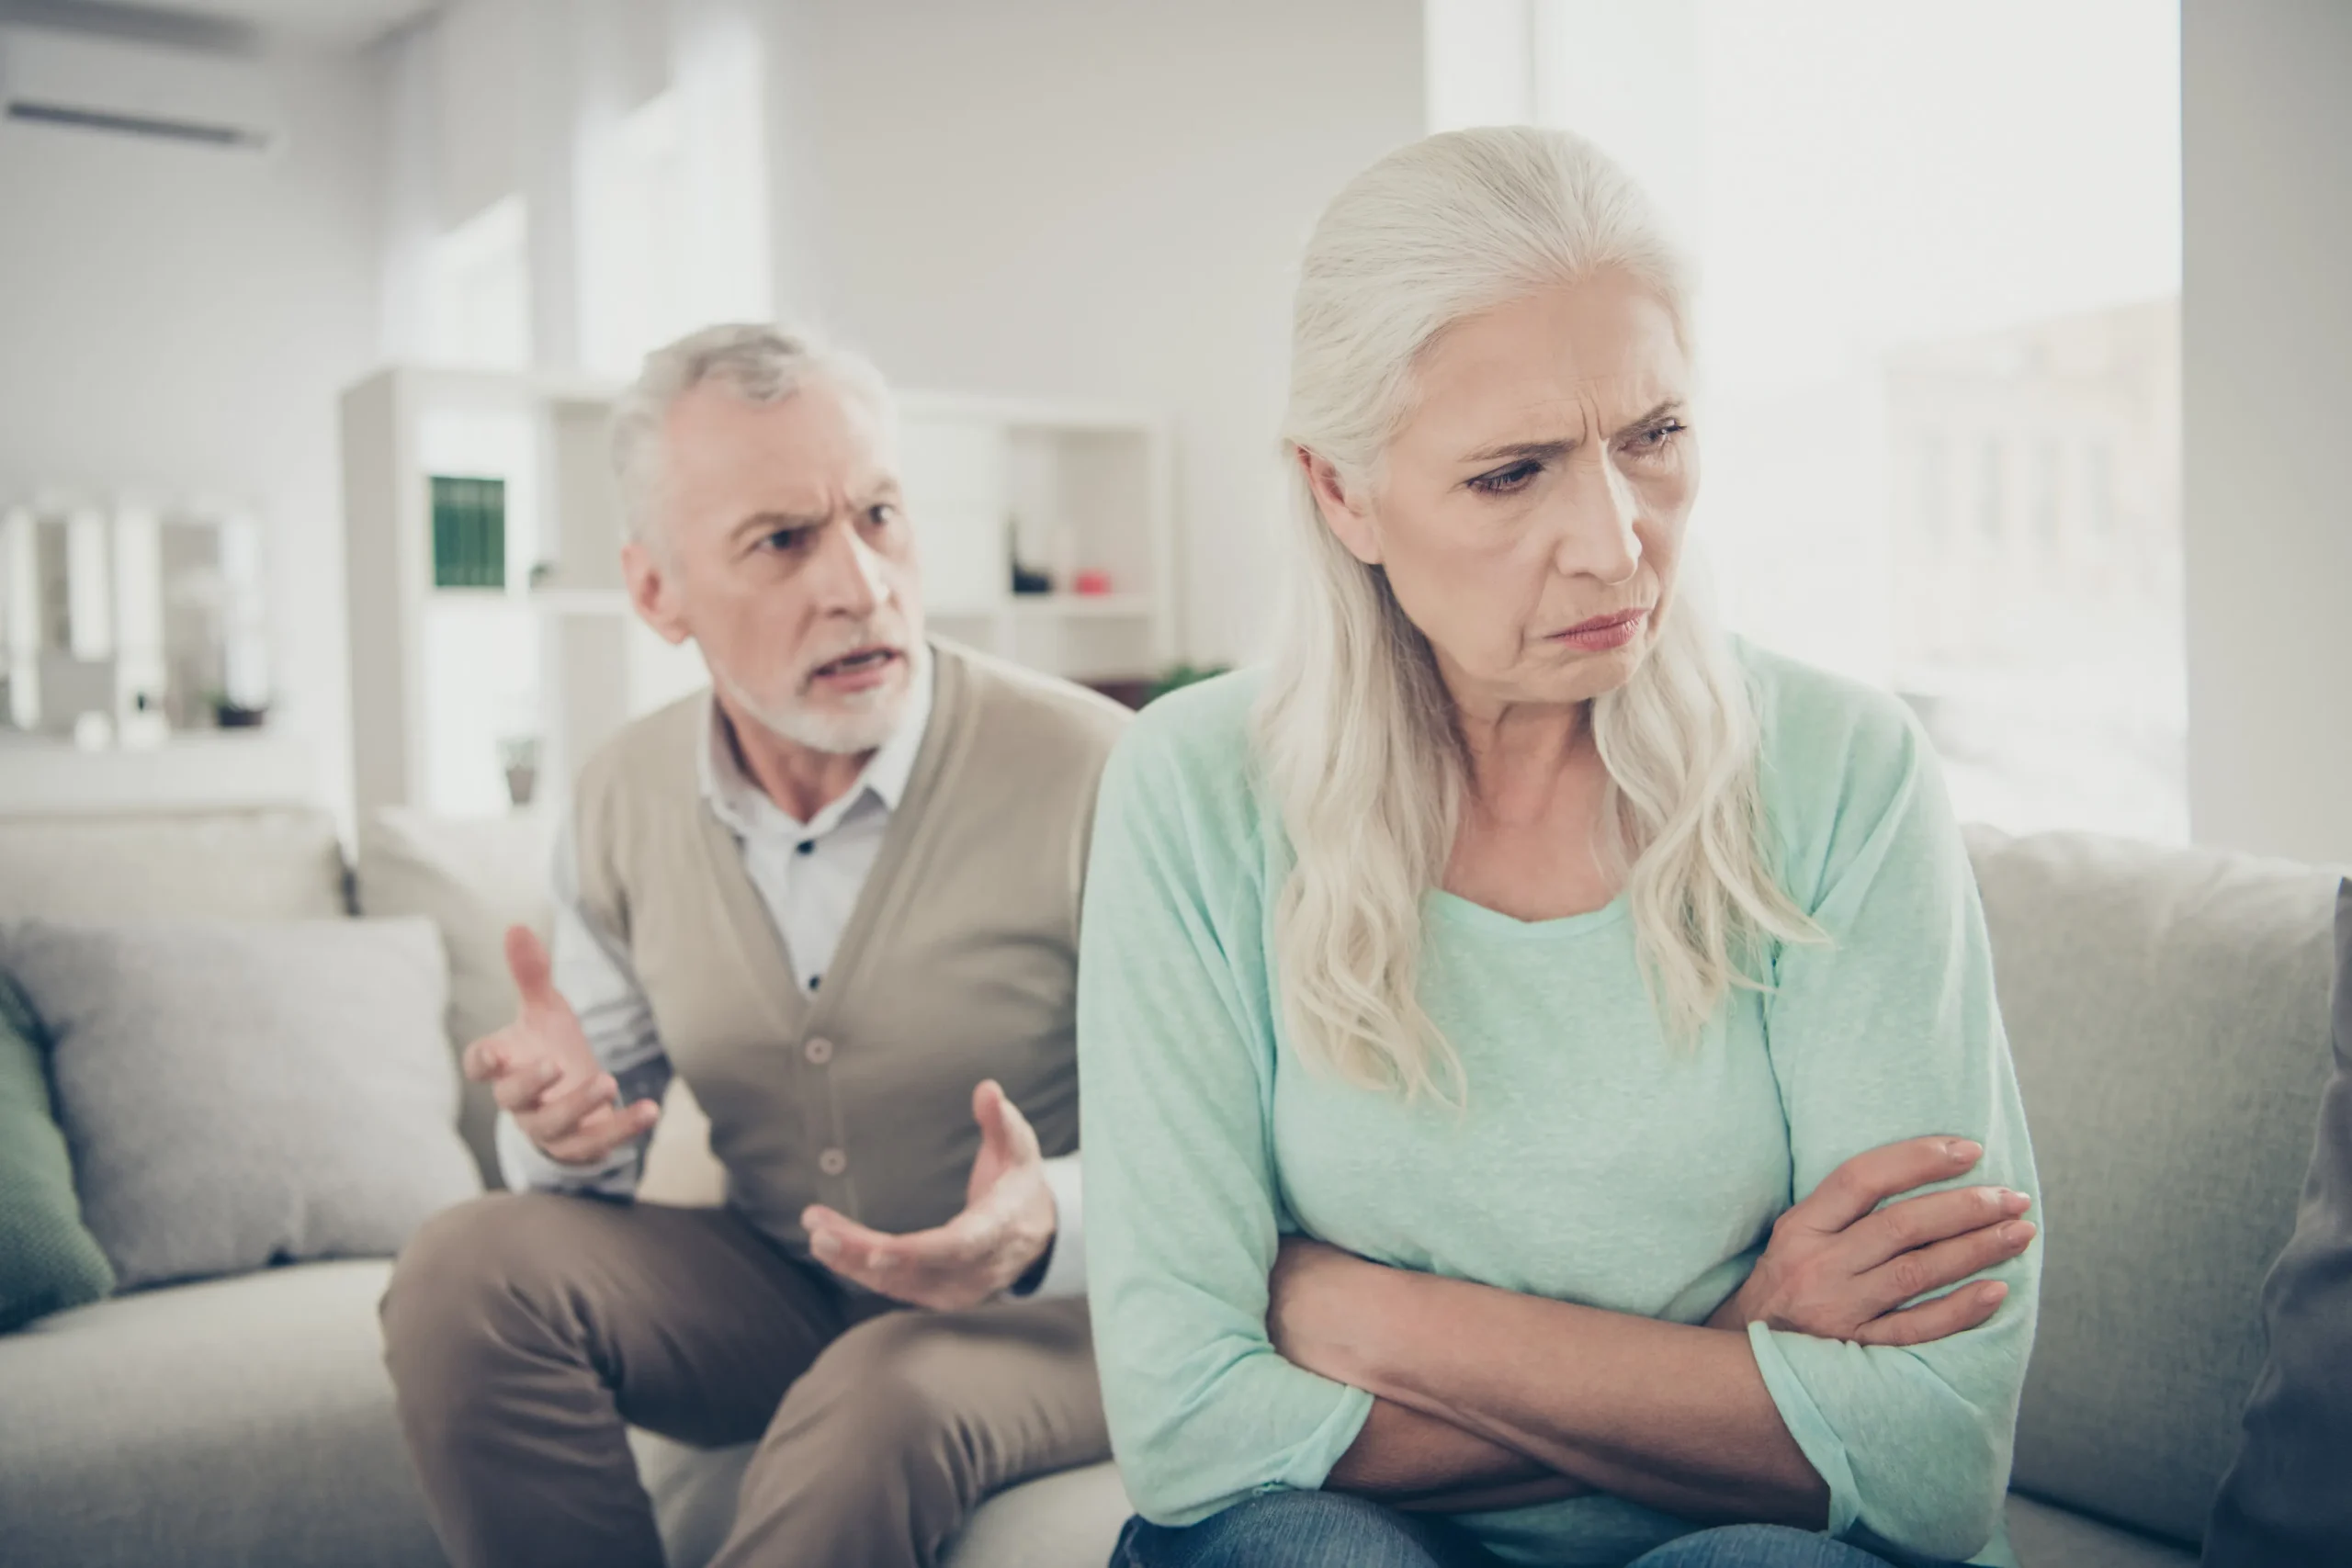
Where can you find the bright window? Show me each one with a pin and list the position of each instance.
(673, 212)
(477, 290)
(1940, 249)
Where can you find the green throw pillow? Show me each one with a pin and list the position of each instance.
(48, 1260)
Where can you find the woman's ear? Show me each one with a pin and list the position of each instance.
(1349, 525)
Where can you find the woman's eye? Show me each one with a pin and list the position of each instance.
(1657, 438)
(1503, 481)
(786, 539)
(882, 515)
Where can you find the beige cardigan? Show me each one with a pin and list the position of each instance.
(959, 961)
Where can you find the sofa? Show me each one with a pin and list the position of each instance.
(2168, 1009)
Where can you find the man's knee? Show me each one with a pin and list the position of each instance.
(462, 1280)
(889, 1385)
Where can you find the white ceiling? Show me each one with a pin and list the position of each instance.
(345, 22)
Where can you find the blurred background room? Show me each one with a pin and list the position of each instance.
(2027, 358)
(276, 269)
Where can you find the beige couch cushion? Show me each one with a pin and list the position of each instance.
(679, 1166)
(2044, 1537)
(2168, 1010)
(1066, 1520)
(241, 1421)
(248, 865)
(473, 876)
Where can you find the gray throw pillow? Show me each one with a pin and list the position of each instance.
(2286, 1503)
(237, 1094)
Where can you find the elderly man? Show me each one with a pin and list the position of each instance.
(838, 895)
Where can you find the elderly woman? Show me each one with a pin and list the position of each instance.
(1502, 1021)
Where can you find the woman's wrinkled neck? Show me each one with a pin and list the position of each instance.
(1516, 753)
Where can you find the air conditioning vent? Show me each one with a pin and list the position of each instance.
(120, 88)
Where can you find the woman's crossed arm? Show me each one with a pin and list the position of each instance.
(1489, 1400)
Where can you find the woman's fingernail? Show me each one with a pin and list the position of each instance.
(1967, 1151)
(2016, 1232)
(2015, 1202)
(1993, 1290)
(825, 1244)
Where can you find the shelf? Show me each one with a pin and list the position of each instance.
(580, 601)
(472, 601)
(439, 676)
(1052, 607)
(1083, 606)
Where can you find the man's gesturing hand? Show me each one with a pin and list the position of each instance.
(1006, 1225)
(541, 1070)
(1838, 1266)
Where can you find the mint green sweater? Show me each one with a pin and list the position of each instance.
(1594, 1163)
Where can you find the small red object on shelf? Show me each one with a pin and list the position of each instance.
(1091, 582)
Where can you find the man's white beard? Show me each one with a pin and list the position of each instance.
(842, 734)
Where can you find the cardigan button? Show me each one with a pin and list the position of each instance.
(819, 1051)
(833, 1162)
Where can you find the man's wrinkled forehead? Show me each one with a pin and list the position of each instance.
(819, 448)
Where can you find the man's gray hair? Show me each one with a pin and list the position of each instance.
(754, 360)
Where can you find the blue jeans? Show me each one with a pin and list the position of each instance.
(1333, 1529)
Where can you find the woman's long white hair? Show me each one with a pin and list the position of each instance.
(1361, 752)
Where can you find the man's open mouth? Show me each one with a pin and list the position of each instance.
(857, 662)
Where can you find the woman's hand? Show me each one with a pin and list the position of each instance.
(1838, 1266)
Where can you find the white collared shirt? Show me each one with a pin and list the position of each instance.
(809, 876)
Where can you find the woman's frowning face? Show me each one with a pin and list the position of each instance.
(1530, 511)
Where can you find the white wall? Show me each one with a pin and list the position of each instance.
(2266, 344)
(179, 320)
(1087, 199)
(1098, 199)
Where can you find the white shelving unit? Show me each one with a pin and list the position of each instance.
(440, 677)
(1072, 488)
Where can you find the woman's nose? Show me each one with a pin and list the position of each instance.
(1597, 534)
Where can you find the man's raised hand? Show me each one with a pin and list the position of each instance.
(541, 1071)
(1007, 1223)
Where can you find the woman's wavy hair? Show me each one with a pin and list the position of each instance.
(1357, 738)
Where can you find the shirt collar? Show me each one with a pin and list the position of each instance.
(743, 805)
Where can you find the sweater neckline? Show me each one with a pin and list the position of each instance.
(1455, 910)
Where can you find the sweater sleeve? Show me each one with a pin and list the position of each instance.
(1175, 1055)
(1889, 1031)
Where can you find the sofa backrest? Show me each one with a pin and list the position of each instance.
(473, 876)
(231, 865)
(2167, 1011)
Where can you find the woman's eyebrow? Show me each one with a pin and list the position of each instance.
(1546, 450)
(1671, 406)
(1522, 450)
